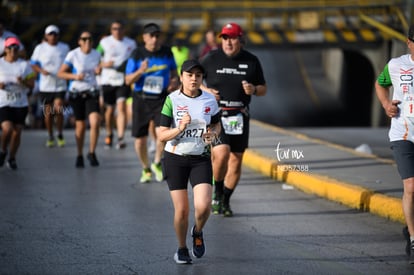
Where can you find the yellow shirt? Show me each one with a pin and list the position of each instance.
(181, 54)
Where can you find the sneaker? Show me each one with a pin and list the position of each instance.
(406, 235)
(50, 143)
(182, 256)
(227, 212)
(409, 246)
(61, 141)
(79, 162)
(411, 256)
(108, 142)
(157, 169)
(199, 247)
(120, 144)
(11, 163)
(145, 176)
(2, 158)
(217, 204)
(92, 159)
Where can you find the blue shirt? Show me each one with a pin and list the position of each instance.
(156, 78)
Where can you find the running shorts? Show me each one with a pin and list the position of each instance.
(47, 98)
(83, 105)
(403, 151)
(237, 143)
(112, 93)
(178, 170)
(17, 115)
(143, 111)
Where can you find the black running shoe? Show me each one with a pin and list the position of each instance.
(182, 256)
(411, 256)
(227, 212)
(79, 162)
(120, 144)
(407, 240)
(92, 159)
(11, 163)
(199, 247)
(2, 158)
(217, 204)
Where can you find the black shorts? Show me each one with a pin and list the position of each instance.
(179, 169)
(237, 143)
(112, 93)
(84, 105)
(403, 151)
(47, 98)
(143, 111)
(17, 115)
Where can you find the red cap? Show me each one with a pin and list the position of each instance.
(232, 30)
(11, 41)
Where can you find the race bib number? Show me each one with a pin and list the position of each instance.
(13, 95)
(153, 85)
(408, 108)
(191, 139)
(116, 78)
(233, 125)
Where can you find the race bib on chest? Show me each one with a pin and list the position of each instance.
(191, 139)
(153, 85)
(233, 125)
(116, 78)
(13, 96)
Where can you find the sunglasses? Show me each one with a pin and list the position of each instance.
(86, 39)
(53, 34)
(13, 47)
(116, 28)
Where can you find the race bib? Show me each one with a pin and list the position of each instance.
(13, 95)
(191, 139)
(116, 78)
(153, 85)
(233, 125)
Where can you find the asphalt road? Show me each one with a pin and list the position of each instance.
(56, 219)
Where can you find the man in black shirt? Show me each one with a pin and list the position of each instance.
(233, 75)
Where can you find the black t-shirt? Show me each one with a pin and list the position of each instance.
(226, 74)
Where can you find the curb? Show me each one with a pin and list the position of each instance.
(345, 193)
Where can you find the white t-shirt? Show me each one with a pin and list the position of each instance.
(14, 94)
(117, 51)
(399, 72)
(201, 109)
(79, 62)
(50, 58)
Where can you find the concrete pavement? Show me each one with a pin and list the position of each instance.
(358, 180)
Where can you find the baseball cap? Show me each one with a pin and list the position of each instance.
(411, 32)
(151, 28)
(51, 28)
(11, 41)
(188, 65)
(232, 30)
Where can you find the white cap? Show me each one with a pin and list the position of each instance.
(51, 28)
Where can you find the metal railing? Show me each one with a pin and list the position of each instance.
(388, 16)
